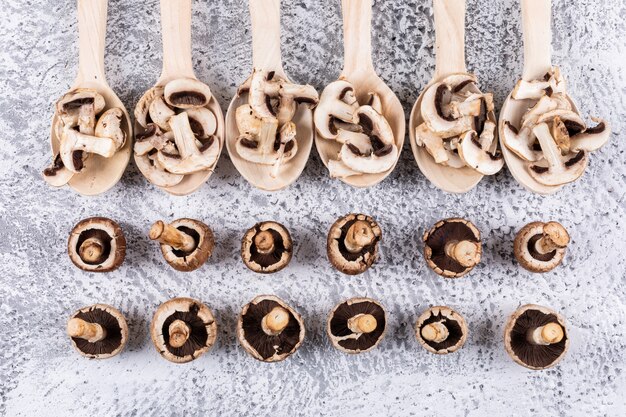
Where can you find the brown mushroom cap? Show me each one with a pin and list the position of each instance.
(342, 333)
(186, 261)
(269, 346)
(97, 244)
(114, 325)
(364, 230)
(267, 247)
(525, 320)
(525, 246)
(454, 323)
(201, 329)
(447, 232)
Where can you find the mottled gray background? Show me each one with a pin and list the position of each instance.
(40, 374)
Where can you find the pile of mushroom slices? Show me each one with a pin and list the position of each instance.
(177, 135)
(83, 128)
(460, 128)
(267, 133)
(552, 139)
(367, 141)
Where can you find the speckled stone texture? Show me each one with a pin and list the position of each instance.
(40, 374)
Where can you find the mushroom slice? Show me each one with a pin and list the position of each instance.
(269, 329)
(143, 106)
(375, 125)
(203, 122)
(441, 330)
(258, 98)
(160, 112)
(252, 150)
(553, 83)
(187, 93)
(79, 108)
(287, 147)
(593, 138)
(109, 126)
(459, 81)
(267, 247)
(560, 169)
(183, 329)
(186, 244)
(150, 139)
(471, 106)
(56, 174)
(432, 113)
(451, 145)
(151, 169)
(338, 169)
(97, 244)
(432, 142)
(476, 153)
(360, 140)
(452, 247)
(247, 121)
(338, 101)
(74, 144)
(352, 243)
(540, 247)
(98, 331)
(357, 325)
(374, 102)
(378, 161)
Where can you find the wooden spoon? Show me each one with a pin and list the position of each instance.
(358, 69)
(536, 23)
(449, 59)
(266, 55)
(177, 63)
(100, 173)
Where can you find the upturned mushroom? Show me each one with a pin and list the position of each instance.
(452, 247)
(97, 244)
(352, 243)
(357, 325)
(540, 247)
(536, 337)
(267, 247)
(98, 331)
(183, 329)
(186, 244)
(441, 330)
(270, 330)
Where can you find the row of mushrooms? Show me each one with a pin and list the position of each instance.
(183, 329)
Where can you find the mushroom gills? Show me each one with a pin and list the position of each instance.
(112, 332)
(355, 339)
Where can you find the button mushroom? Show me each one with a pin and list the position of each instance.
(183, 329)
(267, 247)
(357, 325)
(441, 330)
(352, 243)
(535, 337)
(270, 330)
(98, 331)
(97, 244)
(186, 244)
(452, 248)
(540, 247)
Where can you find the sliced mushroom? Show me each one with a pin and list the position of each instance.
(143, 107)
(258, 98)
(375, 102)
(98, 331)
(338, 101)
(432, 142)
(290, 96)
(441, 330)
(267, 247)
(78, 108)
(253, 150)
(357, 325)
(186, 244)
(203, 122)
(160, 113)
(452, 247)
(110, 126)
(553, 83)
(57, 175)
(97, 244)
(74, 144)
(477, 154)
(248, 123)
(593, 138)
(540, 247)
(186, 93)
(352, 243)
(338, 169)
(432, 113)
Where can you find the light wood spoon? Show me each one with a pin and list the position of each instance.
(100, 173)
(177, 63)
(449, 59)
(358, 69)
(266, 55)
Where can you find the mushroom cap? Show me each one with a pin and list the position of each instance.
(264, 347)
(190, 261)
(454, 322)
(272, 262)
(528, 256)
(345, 339)
(454, 229)
(116, 327)
(340, 257)
(529, 355)
(202, 329)
(109, 233)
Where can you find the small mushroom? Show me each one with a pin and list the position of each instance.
(540, 247)
(536, 337)
(183, 329)
(187, 93)
(267, 247)
(441, 330)
(98, 331)
(270, 330)
(452, 247)
(357, 325)
(97, 244)
(338, 101)
(186, 244)
(352, 243)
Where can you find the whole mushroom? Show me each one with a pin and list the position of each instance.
(352, 243)
(97, 244)
(540, 247)
(267, 247)
(441, 330)
(186, 244)
(357, 325)
(452, 247)
(98, 331)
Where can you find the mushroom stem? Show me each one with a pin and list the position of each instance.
(436, 332)
(362, 323)
(359, 235)
(171, 236)
(91, 332)
(546, 335)
(91, 250)
(179, 333)
(554, 237)
(464, 252)
(275, 321)
(264, 242)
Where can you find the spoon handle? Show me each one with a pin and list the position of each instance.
(357, 35)
(92, 27)
(537, 21)
(265, 16)
(450, 37)
(176, 31)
